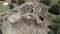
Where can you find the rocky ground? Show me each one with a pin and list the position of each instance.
(29, 23)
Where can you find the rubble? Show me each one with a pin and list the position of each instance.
(25, 20)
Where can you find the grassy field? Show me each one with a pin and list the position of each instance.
(54, 2)
(2, 8)
(52, 17)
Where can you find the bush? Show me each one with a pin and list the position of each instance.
(21, 2)
(46, 2)
(11, 6)
(14, 1)
(54, 10)
(56, 28)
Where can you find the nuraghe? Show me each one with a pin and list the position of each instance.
(24, 19)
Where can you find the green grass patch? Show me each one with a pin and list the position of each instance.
(2, 8)
(54, 2)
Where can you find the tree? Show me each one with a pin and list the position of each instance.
(46, 2)
(58, 30)
(55, 28)
(11, 6)
(14, 1)
(54, 10)
(21, 2)
(58, 4)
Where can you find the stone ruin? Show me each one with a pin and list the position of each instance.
(25, 19)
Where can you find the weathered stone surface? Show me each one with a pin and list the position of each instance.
(24, 19)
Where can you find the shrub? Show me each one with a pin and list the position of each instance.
(21, 2)
(14, 1)
(54, 10)
(46, 2)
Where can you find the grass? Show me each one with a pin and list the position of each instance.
(2, 8)
(51, 17)
(54, 2)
